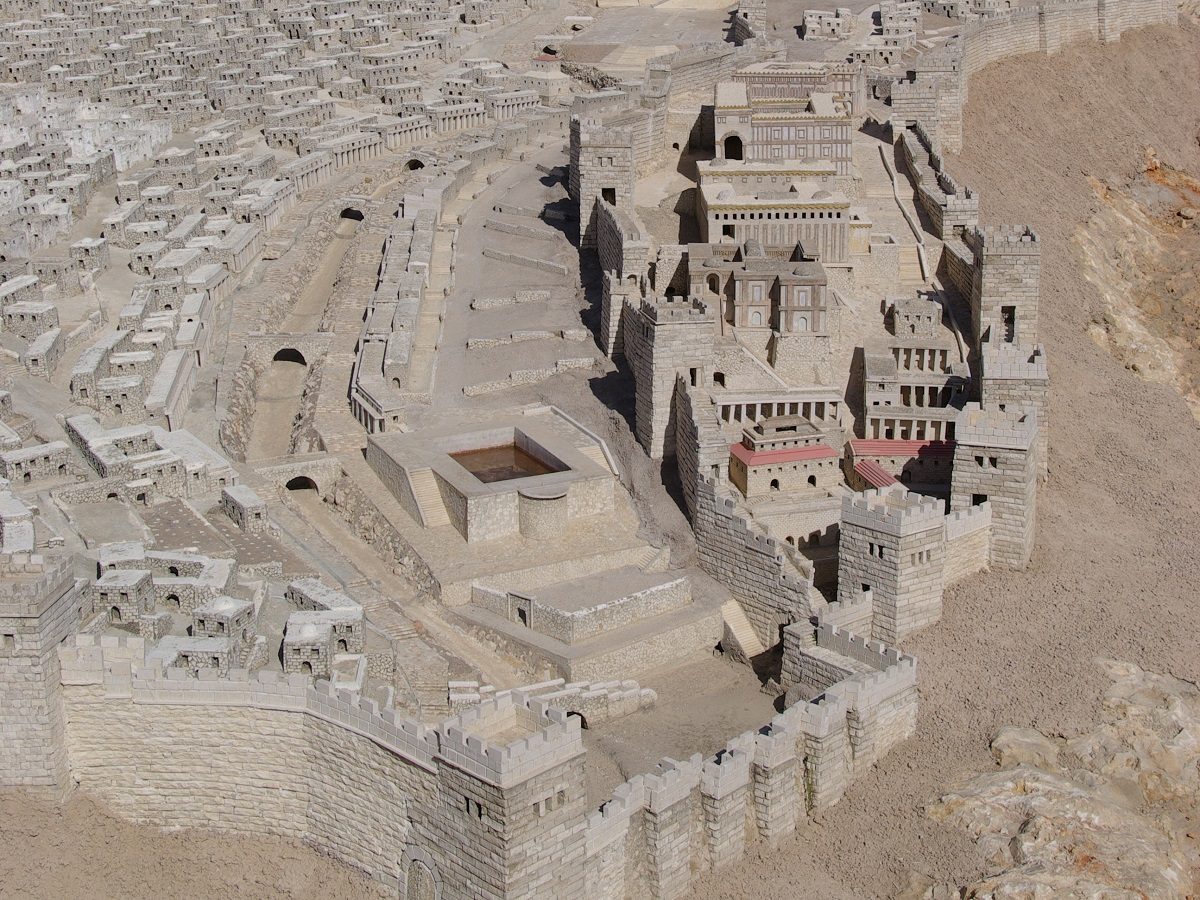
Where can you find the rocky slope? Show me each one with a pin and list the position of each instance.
(1141, 253)
(1107, 814)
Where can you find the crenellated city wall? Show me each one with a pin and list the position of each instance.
(282, 755)
(939, 90)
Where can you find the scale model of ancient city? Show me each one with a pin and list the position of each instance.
(507, 446)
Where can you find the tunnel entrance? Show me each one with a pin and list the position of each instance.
(289, 355)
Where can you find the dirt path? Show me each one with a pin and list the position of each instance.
(280, 386)
(1115, 568)
(278, 390)
(306, 315)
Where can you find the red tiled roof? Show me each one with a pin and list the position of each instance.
(873, 473)
(793, 454)
(872, 447)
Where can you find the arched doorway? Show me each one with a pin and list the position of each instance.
(421, 883)
(114, 614)
(733, 147)
(341, 646)
(714, 283)
(302, 483)
(413, 165)
(351, 213)
(306, 668)
(289, 355)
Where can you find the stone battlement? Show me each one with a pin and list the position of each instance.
(875, 654)
(595, 134)
(675, 309)
(893, 510)
(554, 737)
(993, 427)
(969, 520)
(1011, 361)
(31, 581)
(1007, 239)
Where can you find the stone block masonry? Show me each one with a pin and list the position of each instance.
(968, 542)
(384, 793)
(891, 551)
(664, 338)
(995, 462)
(39, 607)
(762, 573)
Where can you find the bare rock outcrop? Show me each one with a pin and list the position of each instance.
(1104, 815)
(1139, 251)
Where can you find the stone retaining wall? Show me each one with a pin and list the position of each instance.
(269, 754)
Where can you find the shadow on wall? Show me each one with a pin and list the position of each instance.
(615, 390)
(591, 282)
(685, 209)
(560, 215)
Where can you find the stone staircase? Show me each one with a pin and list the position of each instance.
(428, 497)
(429, 319)
(739, 627)
(910, 267)
(383, 615)
(595, 454)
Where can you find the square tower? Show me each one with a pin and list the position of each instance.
(995, 462)
(665, 337)
(1004, 291)
(39, 609)
(509, 818)
(602, 170)
(1015, 376)
(892, 551)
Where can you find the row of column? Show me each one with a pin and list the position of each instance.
(814, 411)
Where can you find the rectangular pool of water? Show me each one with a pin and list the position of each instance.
(505, 462)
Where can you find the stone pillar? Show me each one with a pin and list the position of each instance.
(724, 788)
(824, 737)
(778, 803)
(39, 608)
(671, 814)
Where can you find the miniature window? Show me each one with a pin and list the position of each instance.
(8, 643)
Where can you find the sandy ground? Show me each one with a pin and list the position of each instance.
(1112, 574)
(79, 851)
(1115, 568)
